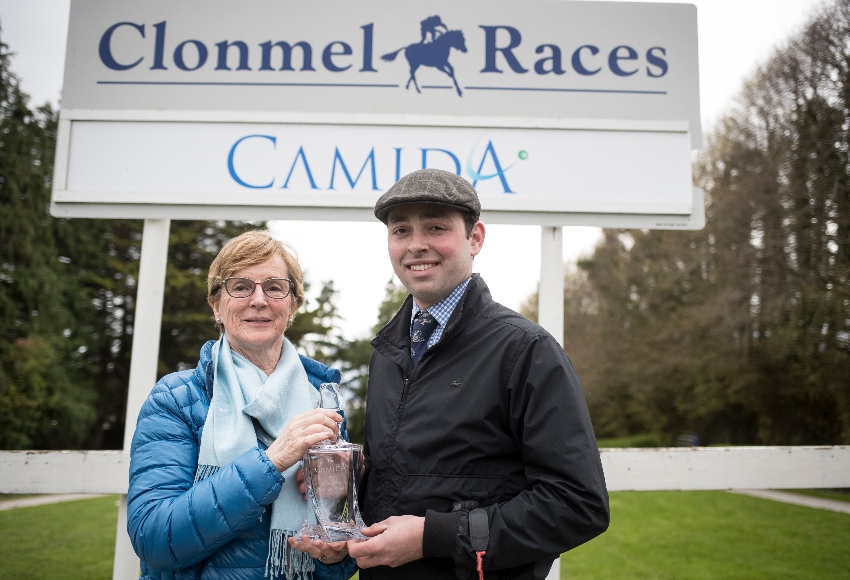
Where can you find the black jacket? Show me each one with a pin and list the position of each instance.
(493, 413)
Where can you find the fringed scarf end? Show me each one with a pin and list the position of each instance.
(204, 471)
(284, 559)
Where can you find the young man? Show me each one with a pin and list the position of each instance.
(478, 440)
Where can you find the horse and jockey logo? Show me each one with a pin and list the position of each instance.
(432, 50)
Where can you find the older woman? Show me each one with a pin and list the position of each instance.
(213, 488)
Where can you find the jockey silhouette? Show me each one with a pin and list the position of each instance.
(434, 54)
(431, 25)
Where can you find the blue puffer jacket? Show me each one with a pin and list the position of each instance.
(213, 530)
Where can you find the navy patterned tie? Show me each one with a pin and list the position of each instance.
(420, 331)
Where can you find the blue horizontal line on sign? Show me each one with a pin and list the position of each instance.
(235, 84)
(555, 90)
(437, 87)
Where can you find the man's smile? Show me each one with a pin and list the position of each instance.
(422, 267)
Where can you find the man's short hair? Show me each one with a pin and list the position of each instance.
(469, 222)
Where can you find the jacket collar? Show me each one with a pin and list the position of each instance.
(204, 370)
(393, 340)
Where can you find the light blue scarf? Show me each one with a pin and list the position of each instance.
(241, 391)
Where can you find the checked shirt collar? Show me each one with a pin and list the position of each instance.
(442, 311)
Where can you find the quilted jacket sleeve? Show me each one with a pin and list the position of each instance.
(173, 523)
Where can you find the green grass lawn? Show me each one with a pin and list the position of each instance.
(653, 535)
(713, 534)
(72, 540)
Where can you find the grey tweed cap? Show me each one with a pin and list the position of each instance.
(429, 186)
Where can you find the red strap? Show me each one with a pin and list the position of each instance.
(480, 555)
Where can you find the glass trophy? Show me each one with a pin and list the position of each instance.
(332, 471)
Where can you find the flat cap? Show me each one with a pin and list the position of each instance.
(430, 186)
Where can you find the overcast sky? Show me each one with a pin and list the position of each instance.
(734, 37)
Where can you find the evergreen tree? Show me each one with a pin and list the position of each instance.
(44, 399)
(355, 355)
(315, 330)
(739, 332)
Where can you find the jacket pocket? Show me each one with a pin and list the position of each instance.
(438, 492)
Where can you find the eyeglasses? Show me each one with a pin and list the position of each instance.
(274, 288)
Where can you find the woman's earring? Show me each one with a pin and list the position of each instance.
(218, 320)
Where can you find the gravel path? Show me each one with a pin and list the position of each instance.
(798, 499)
(8, 504)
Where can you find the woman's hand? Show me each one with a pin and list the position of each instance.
(322, 551)
(303, 430)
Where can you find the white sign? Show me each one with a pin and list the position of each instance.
(545, 106)
(326, 166)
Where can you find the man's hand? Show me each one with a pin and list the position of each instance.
(395, 541)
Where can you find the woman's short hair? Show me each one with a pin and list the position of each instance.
(250, 249)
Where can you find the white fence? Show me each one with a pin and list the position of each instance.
(674, 468)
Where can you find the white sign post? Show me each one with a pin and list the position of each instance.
(559, 113)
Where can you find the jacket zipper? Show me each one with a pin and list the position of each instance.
(394, 437)
(401, 399)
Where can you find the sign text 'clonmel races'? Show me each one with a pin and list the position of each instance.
(531, 59)
(499, 53)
